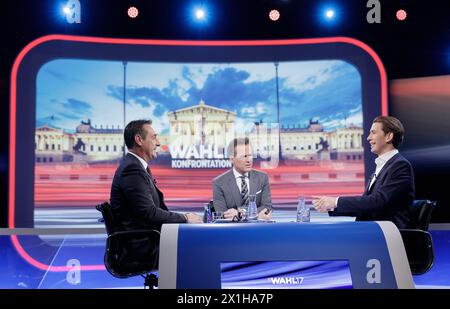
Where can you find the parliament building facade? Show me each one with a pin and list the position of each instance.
(210, 129)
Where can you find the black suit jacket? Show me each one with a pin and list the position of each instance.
(389, 197)
(136, 202)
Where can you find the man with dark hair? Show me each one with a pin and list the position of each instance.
(390, 190)
(136, 201)
(232, 189)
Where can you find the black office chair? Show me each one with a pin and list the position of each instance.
(419, 250)
(118, 260)
(416, 238)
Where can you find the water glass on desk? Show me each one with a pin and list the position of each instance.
(252, 209)
(303, 212)
(208, 212)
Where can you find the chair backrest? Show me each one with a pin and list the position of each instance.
(120, 257)
(420, 214)
(108, 217)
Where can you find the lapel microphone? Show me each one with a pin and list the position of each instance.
(372, 177)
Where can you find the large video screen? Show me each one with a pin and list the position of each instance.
(305, 105)
(197, 109)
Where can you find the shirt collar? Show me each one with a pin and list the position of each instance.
(381, 160)
(237, 174)
(144, 164)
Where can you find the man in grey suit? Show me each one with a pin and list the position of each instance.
(232, 189)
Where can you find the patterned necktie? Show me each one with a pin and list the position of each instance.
(244, 191)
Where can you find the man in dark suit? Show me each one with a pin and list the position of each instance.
(390, 190)
(136, 201)
(232, 189)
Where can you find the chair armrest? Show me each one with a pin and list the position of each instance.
(124, 235)
(412, 232)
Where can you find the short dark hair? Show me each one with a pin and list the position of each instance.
(132, 129)
(392, 125)
(236, 142)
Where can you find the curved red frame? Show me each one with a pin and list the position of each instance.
(33, 44)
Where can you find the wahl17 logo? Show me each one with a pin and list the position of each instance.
(286, 280)
(374, 14)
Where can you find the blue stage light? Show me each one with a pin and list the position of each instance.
(329, 14)
(200, 14)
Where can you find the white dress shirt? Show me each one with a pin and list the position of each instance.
(381, 162)
(144, 164)
(238, 178)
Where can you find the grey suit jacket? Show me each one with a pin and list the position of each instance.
(226, 192)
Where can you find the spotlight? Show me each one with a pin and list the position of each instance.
(274, 15)
(66, 10)
(329, 14)
(133, 12)
(200, 14)
(401, 15)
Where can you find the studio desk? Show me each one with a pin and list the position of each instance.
(361, 255)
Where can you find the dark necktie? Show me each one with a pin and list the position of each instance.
(150, 173)
(244, 191)
(158, 203)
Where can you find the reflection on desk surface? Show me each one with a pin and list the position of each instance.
(88, 218)
(291, 216)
